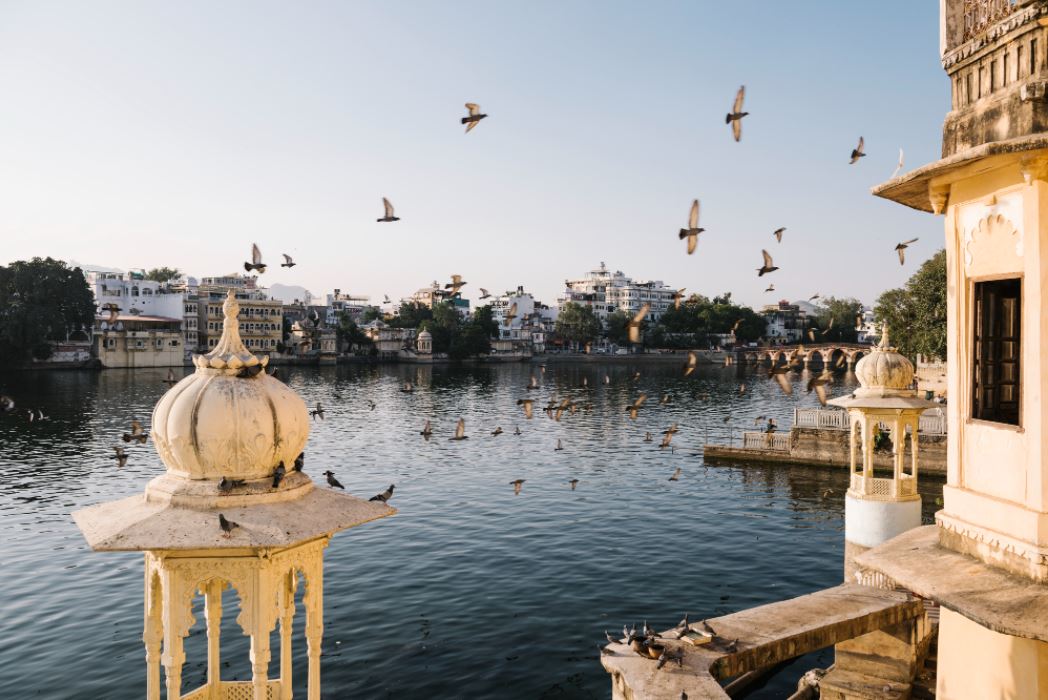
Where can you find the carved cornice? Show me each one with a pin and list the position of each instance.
(973, 46)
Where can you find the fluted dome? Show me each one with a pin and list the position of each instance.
(229, 418)
(884, 372)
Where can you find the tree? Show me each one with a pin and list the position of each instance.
(916, 312)
(163, 274)
(842, 313)
(618, 327)
(41, 300)
(577, 323)
(370, 314)
(484, 318)
(349, 334)
(698, 317)
(411, 315)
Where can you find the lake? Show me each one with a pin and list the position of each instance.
(469, 591)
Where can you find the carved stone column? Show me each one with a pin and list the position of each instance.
(287, 614)
(213, 605)
(314, 603)
(177, 614)
(153, 632)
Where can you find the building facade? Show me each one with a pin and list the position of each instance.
(786, 322)
(340, 302)
(261, 318)
(606, 292)
(137, 340)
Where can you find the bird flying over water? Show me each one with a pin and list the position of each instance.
(778, 233)
(901, 249)
(634, 323)
(497, 431)
(559, 446)
(528, 405)
(460, 431)
(317, 412)
(407, 388)
(736, 114)
(676, 475)
(857, 152)
(120, 456)
(818, 384)
(689, 366)
(384, 496)
(474, 116)
(769, 265)
(389, 212)
(256, 260)
(693, 230)
(332, 481)
(137, 433)
(574, 483)
(633, 408)
(170, 377)
(779, 375)
(533, 383)
(516, 484)
(426, 431)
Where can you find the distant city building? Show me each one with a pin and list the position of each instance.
(261, 318)
(785, 322)
(606, 292)
(138, 340)
(869, 330)
(435, 294)
(339, 303)
(388, 341)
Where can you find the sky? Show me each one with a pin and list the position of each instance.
(146, 134)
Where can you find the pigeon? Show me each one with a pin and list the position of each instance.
(769, 265)
(677, 296)
(559, 446)
(736, 114)
(384, 496)
(510, 314)
(898, 167)
(332, 481)
(484, 293)
(120, 456)
(676, 475)
(635, 406)
(634, 323)
(516, 430)
(689, 366)
(647, 437)
(516, 484)
(778, 233)
(528, 405)
(460, 431)
(137, 433)
(407, 388)
(317, 412)
(288, 262)
(226, 485)
(667, 435)
(857, 152)
(389, 212)
(7, 404)
(426, 432)
(170, 377)
(386, 299)
(474, 116)
(732, 646)
(771, 288)
(114, 312)
(818, 384)
(574, 483)
(497, 430)
(39, 415)
(278, 475)
(456, 284)
(901, 249)
(227, 525)
(692, 232)
(372, 405)
(300, 462)
(533, 383)
(779, 375)
(247, 372)
(256, 260)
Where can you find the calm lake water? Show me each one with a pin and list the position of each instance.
(470, 591)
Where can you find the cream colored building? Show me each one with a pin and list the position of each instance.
(261, 318)
(986, 558)
(139, 341)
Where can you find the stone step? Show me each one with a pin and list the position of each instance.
(850, 685)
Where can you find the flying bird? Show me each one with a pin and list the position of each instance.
(898, 167)
(407, 388)
(559, 446)
(857, 152)
(317, 412)
(528, 405)
(137, 433)
(693, 230)
(533, 383)
(574, 483)
(813, 297)
(769, 265)
(332, 481)
(227, 525)
(120, 456)
(736, 114)
(779, 375)
(510, 314)
(455, 285)
(818, 384)
(497, 431)
(7, 404)
(677, 296)
(256, 260)
(389, 212)
(384, 496)
(386, 299)
(516, 484)
(676, 475)
(635, 406)
(170, 377)
(426, 432)
(474, 116)
(634, 323)
(484, 293)
(288, 262)
(689, 366)
(901, 249)
(778, 233)
(460, 431)
(771, 288)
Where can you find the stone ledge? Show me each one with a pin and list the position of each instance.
(988, 596)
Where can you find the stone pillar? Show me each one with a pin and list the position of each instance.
(287, 613)
(175, 612)
(213, 612)
(260, 663)
(314, 603)
(153, 632)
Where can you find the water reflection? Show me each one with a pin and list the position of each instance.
(470, 591)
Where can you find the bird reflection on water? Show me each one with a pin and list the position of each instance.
(466, 565)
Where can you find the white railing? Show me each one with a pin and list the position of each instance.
(820, 418)
(932, 421)
(779, 442)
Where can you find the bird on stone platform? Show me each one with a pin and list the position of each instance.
(249, 371)
(278, 475)
(226, 485)
(227, 525)
(736, 114)
(300, 462)
(256, 260)
(384, 496)
(857, 152)
(692, 232)
(332, 481)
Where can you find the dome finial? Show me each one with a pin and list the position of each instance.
(229, 352)
(883, 345)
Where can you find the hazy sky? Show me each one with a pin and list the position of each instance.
(137, 134)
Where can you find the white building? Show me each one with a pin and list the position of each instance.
(134, 295)
(606, 292)
(519, 327)
(784, 322)
(340, 302)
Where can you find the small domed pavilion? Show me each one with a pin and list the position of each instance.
(232, 439)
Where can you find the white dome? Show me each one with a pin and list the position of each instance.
(884, 372)
(425, 335)
(216, 423)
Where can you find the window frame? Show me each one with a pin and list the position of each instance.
(973, 282)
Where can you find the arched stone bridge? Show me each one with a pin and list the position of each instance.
(810, 356)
